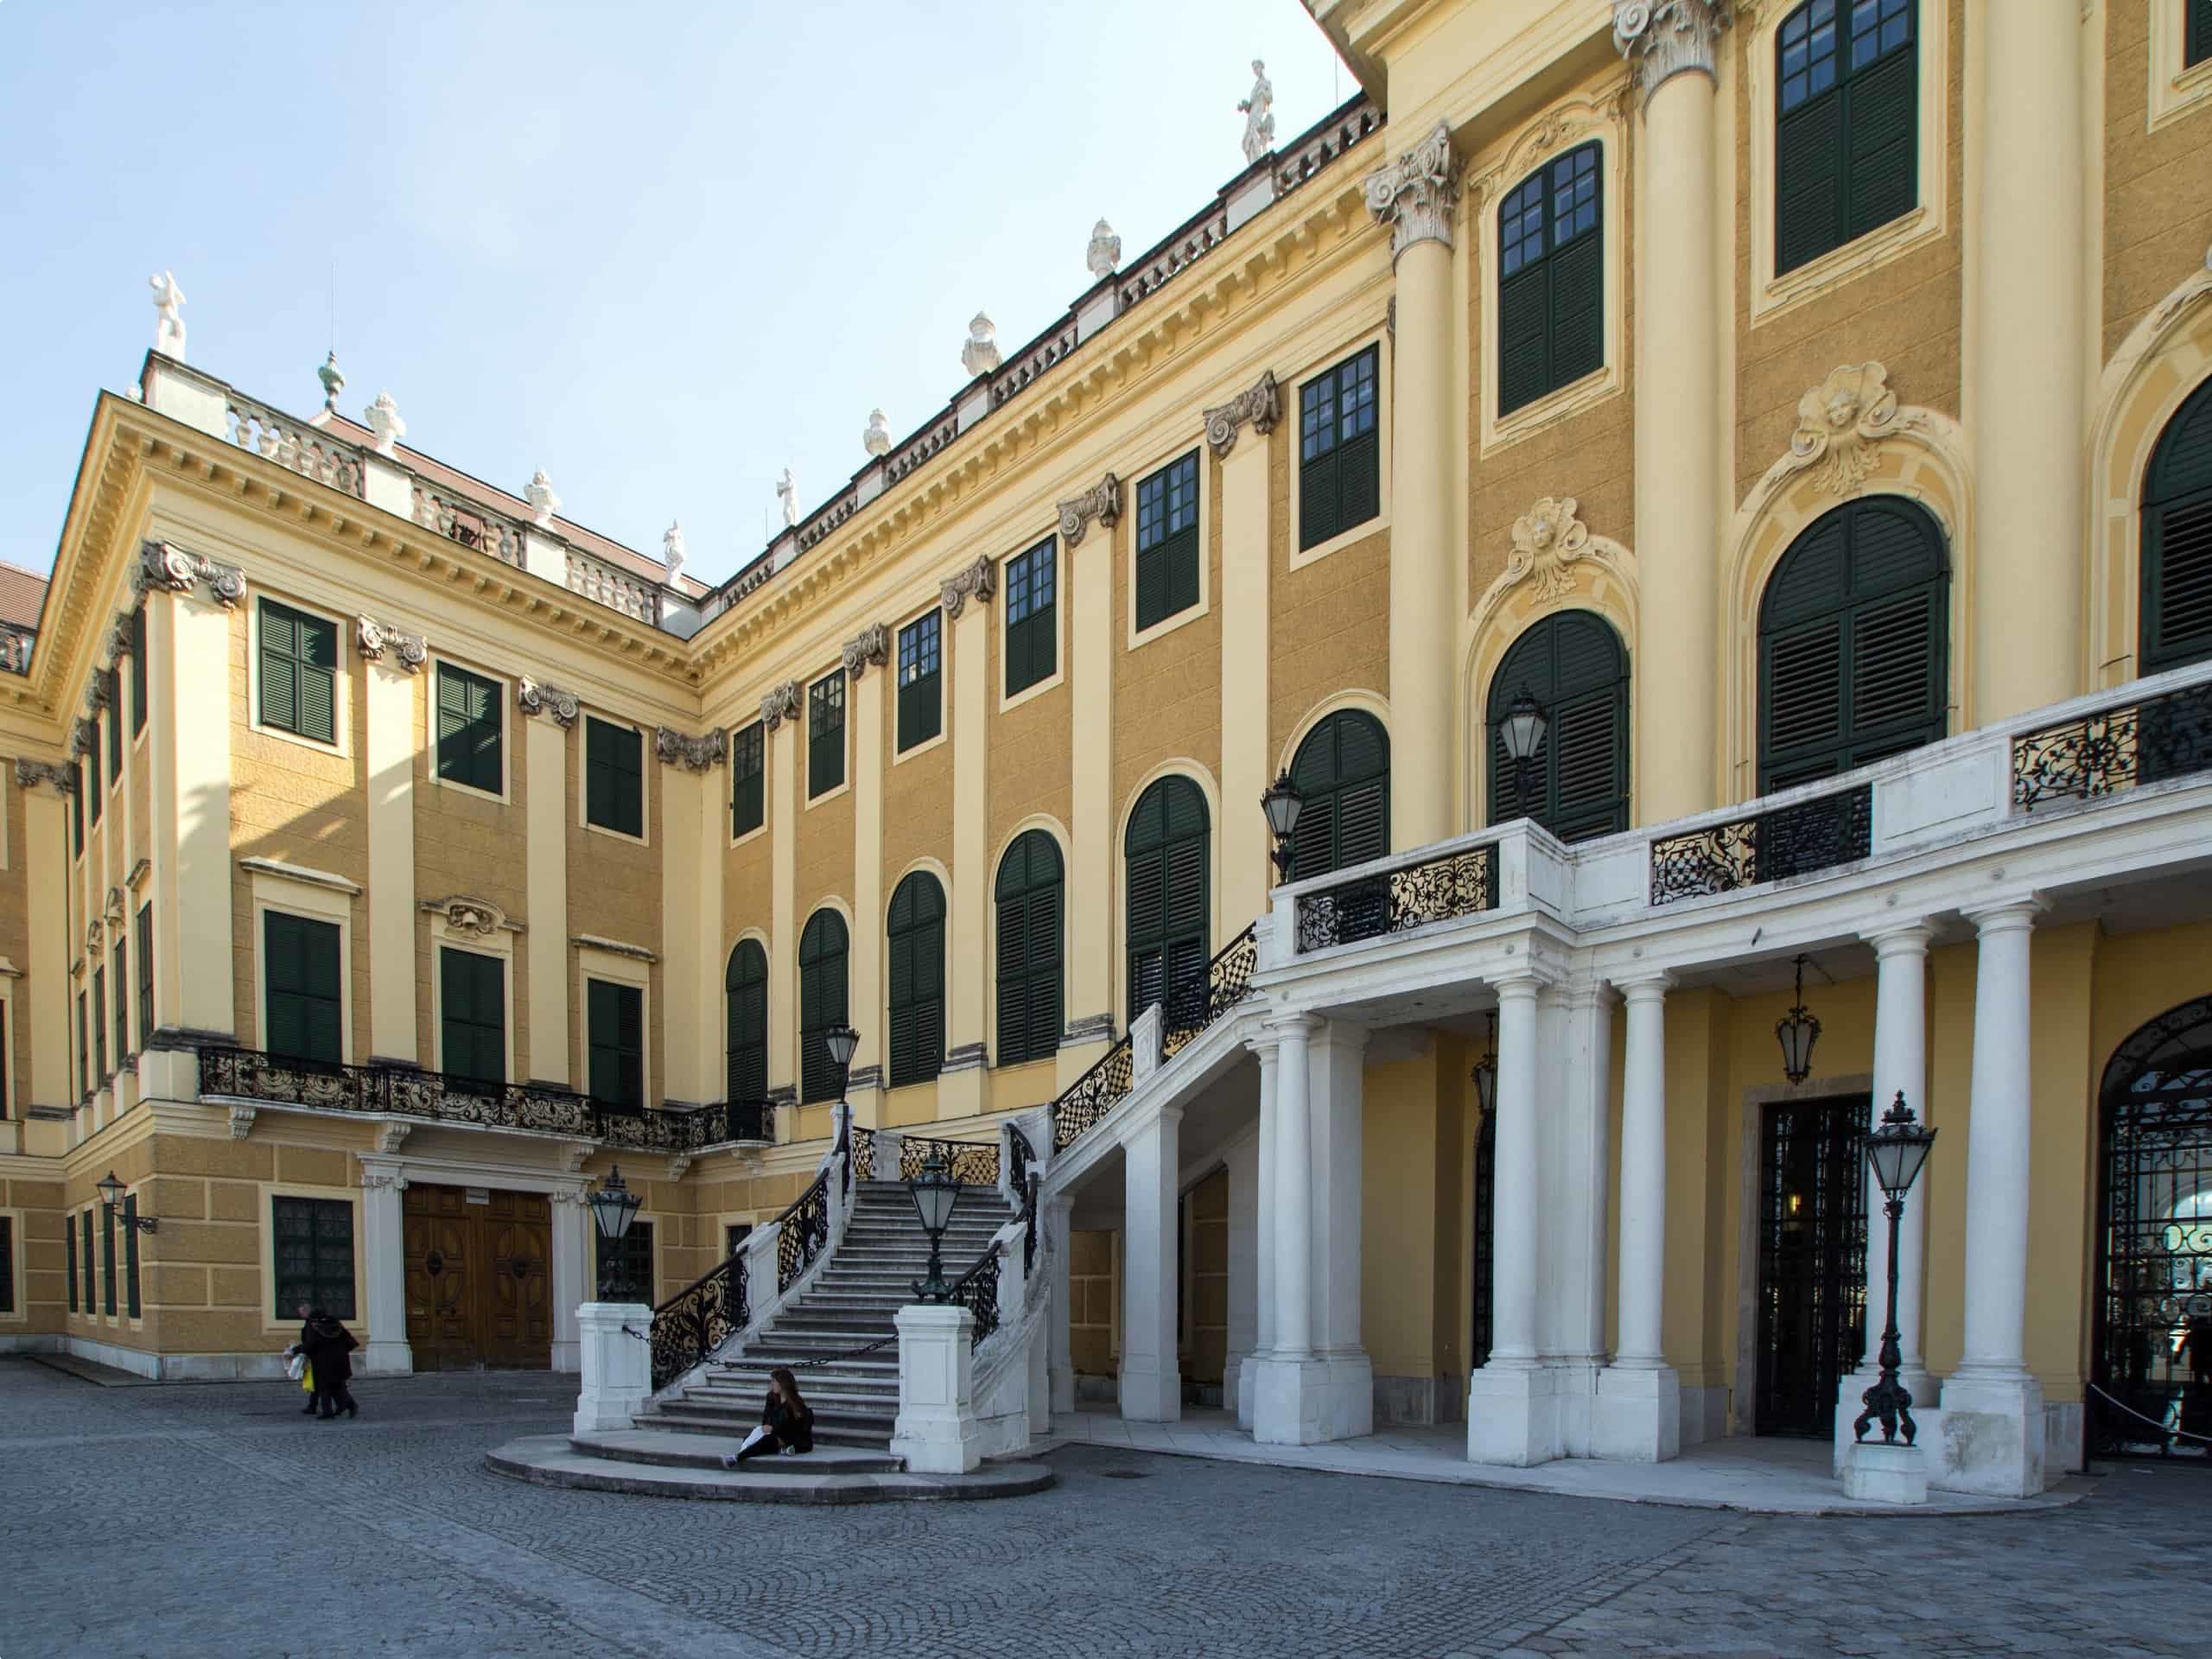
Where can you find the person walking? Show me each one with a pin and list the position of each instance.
(306, 1316)
(329, 1346)
(786, 1422)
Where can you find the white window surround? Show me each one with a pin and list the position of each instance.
(1930, 218)
(318, 897)
(618, 965)
(1132, 637)
(646, 765)
(1059, 674)
(845, 733)
(767, 773)
(503, 702)
(20, 1313)
(1288, 418)
(266, 1226)
(2175, 90)
(1058, 833)
(342, 685)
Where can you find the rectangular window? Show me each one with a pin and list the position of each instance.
(84, 1049)
(77, 805)
(825, 734)
(748, 767)
(69, 1238)
(145, 976)
(299, 672)
(139, 670)
(88, 774)
(469, 730)
(114, 724)
(121, 981)
(1033, 642)
(99, 1028)
(1168, 541)
(8, 1264)
(85, 1255)
(314, 1256)
(637, 1249)
(614, 777)
(107, 1260)
(473, 1013)
(618, 1043)
(921, 683)
(300, 973)
(131, 1304)
(734, 1233)
(1340, 451)
(6, 1082)
(2197, 46)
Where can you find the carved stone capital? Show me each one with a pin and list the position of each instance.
(477, 916)
(241, 1122)
(677, 748)
(1414, 195)
(388, 1138)
(84, 738)
(118, 638)
(1841, 423)
(1260, 404)
(94, 931)
(1102, 501)
(99, 694)
(164, 565)
(872, 644)
(1661, 39)
(979, 580)
(779, 704)
(536, 697)
(112, 907)
(62, 779)
(409, 652)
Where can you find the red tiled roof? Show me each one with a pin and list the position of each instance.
(21, 592)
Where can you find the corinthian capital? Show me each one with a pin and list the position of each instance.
(1414, 194)
(1662, 38)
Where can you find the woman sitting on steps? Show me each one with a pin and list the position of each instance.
(786, 1422)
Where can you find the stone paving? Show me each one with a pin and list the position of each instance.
(212, 1520)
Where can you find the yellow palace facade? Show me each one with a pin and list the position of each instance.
(1710, 505)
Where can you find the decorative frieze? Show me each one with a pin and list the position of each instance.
(1662, 38)
(677, 748)
(871, 645)
(409, 652)
(1841, 424)
(164, 565)
(536, 697)
(980, 581)
(779, 704)
(1548, 540)
(477, 916)
(1103, 501)
(1259, 404)
(1414, 195)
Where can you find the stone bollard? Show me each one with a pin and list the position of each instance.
(1885, 1472)
(618, 1371)
(938, 1431)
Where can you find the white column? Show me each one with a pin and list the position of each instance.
(1288, 1388)
(1151, 1381)
(1511, 1407)
(1264, 1049)
(1060, 1216)
(1639, 1414)
(572, 1283)
(1336, 1061)
(384, 1243)
(1993, 1423)
(1242, 1160)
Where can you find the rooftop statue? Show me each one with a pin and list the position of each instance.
(1258, 110)
(671, 551)
(169, 301)
(787, 497)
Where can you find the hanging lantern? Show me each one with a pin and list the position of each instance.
(1797, 1030)
(1486, 1072)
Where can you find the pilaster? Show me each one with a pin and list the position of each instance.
(46, 975)
(572, 1232)
(961, 1087)
(1246, 751)
(864, 698)
(1638, 1414)
(191, 641)
(683, 795)
(548, 716)
(1151, 1381)
(385, 1349)
(1335, 1060)
(779, 712)
(1242, 1159)
(1087, 574)
(390, 745)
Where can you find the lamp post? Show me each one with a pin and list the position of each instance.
(841, 1041)
(935, 1191)
(1523, 732)
(110, 1192)
(1485, 1071)
(614, 1207)
(1797, 1030)
(1283, 803)
(1895, 1151)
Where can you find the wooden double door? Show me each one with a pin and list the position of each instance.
(480, 1279)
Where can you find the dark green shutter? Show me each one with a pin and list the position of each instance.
(100, 1026)
(280, 651)
(1167, 561)
(747, 769)
(2176, 599)
(1168, 923)
(1572, 663)
(469, 730)
(2196, 43)
(7, 1267)
(921, 711)
(614, 787)
(1343, 771)
(107, 1262)
(300, 976)
(1523, 316)
(131, 1303)
(616, 1014)
(92, 1297)
(139, 670)
(145, 975)
(822, 1001)
(1847, 157)
(84, 1049)
(1029, 897)
(1809, 180)
(1578, 308)
(1882, 140)
(746, 981)
(69, 1236)
(77, 804)
(114, 724)
(472, 1016)
(122, 1009)
(825, 734)
(917, 1006)
(299, 672)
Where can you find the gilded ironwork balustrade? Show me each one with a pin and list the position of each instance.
(1194, 1006)
(972, 1163)
(1463, 883)
(977, 1290)
(1093, 1094)
(1789, 841)
(803, 1232)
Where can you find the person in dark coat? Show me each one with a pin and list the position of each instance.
(306, 1314)
(328, 1345)
(786, 1421)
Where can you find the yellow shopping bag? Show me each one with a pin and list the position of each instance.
(306, 1379)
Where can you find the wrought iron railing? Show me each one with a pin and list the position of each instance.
(863, 1160)
(972, 1163)
(802, 1232)
(977, 1290)
(1093, 1094)
(1463, 883)
(1019, 1154)
(1194, 1007)
(699, 1318)
(1772, 846)
(2116, 749)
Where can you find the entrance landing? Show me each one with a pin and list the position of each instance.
(1759, 1476)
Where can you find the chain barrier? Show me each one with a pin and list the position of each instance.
(2171, 1434)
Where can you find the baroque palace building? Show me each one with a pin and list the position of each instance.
(1712, 506)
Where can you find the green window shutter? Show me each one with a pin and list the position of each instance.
(91, 1297)
(107, 1262)
(472, 1016)
(7, 1268)
(77, 805)
(99, 1025)
(469, 730)
(1809, 181)
(299, 672)
(614, 789)
(1168, 541)
(279, 651)
(1165, 850)
(114, 724)
(2196, 42)
(2176, 598)
(1882, 139)
(1846, 116)
(145, 976)
(301, 978)
(1523, 312)
(917, 949)
(1573, 664)
(920, 716)
(747, 767)
(746, 981)
(84, 1049)
(139, 670)
(1359, 463)
(1578, 310)
(825, 734)
(131, 1304)
(69, 1236)
(1028, 964)
(822, 1001)
(121, 981)
(1343, 771)
(1318, 493)
(617, 1031)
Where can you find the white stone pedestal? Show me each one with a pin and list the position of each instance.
(1851, 1400)
(1290, 1398)
(1638, 1414)
(1883, 1471)
(1512, 1415)
(937, 1431)
(617, 1368)
(1992, 1436)
(1348, 1395)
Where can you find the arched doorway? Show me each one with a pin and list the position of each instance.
(2150, 1355)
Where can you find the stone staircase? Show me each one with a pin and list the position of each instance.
(838, 1335)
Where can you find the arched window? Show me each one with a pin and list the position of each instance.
(745, 982)
(1846, 123)
(1029, 897)
(1165, 850)
(917, 980)
(1343, 769)
(1854, 651)
(1573, 665)
(822, 1001)
(2177, 596)
(1551, 279)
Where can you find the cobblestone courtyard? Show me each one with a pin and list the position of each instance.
(213, 1520)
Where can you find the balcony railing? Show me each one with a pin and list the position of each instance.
(470, 523)
(1194, 1007)
(2118, 748)
(1459, 883)
(15, 649)
(293, 444)
(1794, 840)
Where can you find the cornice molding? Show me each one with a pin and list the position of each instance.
(1259, 406)
(612, 947)
(536, 697)
(677, 748)
(979, 580)
(1102, 501)
(872, 644)
(300, 872)
(373, 638)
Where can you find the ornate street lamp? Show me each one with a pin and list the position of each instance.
(1522, 732)
(841, 1041)
(614, 1207)
(1486, 1072)
(110, 1192)
(1895, 1151)
(1283, 803)
(935, 1191)
(1797, 1030)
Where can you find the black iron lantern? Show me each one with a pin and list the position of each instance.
(614, 1207)
(1283, 803)
(1896, 1152)
(841, 1041)
(1485, 1071)
(1797, 1030)
(111, 1195)
(935, 1190)
(1523, 731)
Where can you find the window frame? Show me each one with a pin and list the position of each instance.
(118, 962)
(324, 1210)
(829, 689)
(342, 672)
(642, 835)
(1334, 375)
(500, 691)
(758, 731)
(1137, 635)
(100, 1073)
(731, 990)
(145, 943)
(443, 948)
(263, 911)
(2150, 534)
(1011, 695)
(139, 671)
(2180, 62)
(913, 633)
(810, 1033)
(593, 1045)
(1543, 179)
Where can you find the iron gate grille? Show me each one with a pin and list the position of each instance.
(1485, 1188)
(1812, 1260)
(2152, 1347)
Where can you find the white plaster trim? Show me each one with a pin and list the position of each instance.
(275, 870)
(2175, 90)
(1132, 637)
(612, 947)
(1290, 423)
(342, 687)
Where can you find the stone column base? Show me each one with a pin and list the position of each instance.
(1512, 1415)
(1151, 1396)
(1885, 1472)
(1851, 1400)
(1289, 1399)
(1992, 1435)
(1638, 1414)
(618, 1369)
(567, 1357)
(1348, 1399)
(936, 1431)
(380, 1358)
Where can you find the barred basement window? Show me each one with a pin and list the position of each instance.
(1029, 901)
(8, 1265)
(469, 730)
(301, 984)
(145, 976)
(1340, 451)
(921, 683)
(825, 734)
(614, 777)
(1573, 664)
(1551, 285)
(1165, 850)
(1168, 541)
(299, 672)
(1343, 771)
(1854, 646)
(69, 1270)
(616, 1017)
(2175, 625)
(1846, 124)
(1032, 616)
(917, 942)
(314, 1256)
(822, 1002)
(746, 982)
(749, 770)
(472, 1016)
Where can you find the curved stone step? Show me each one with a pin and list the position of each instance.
(659, 1449)
(552, 1460)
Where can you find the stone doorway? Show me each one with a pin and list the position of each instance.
(1811, 1297)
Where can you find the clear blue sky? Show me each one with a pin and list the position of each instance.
(660, 250)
